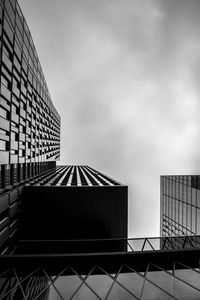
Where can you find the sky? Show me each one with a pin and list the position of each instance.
(124, 76)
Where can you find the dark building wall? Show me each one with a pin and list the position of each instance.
(32, 286)
(74, 212)
(10, 206)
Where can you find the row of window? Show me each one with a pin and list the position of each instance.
(29, 123)
(188, 180)
(181, 191)
(180, 205)
(22, 87)
(186, 215)
(18, 33)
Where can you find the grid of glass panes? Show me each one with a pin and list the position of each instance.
(180, 205)
(29, 123)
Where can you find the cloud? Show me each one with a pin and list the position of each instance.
(124, 76)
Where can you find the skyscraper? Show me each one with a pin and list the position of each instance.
(76, 202)
(180, 205)
(29, 122)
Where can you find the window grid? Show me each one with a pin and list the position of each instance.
(27, 109)
(181, 204)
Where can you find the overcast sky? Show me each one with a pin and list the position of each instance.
(125, 77)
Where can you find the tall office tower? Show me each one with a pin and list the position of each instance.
(180, 205)
(29, 122)
(76, 202)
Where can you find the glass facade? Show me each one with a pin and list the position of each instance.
(29, 122)
(180, 205)
(180, 282)
(144, 271)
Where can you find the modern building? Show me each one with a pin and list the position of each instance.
(29, 122)
(63, 229)
(180, 205)
(78, 203)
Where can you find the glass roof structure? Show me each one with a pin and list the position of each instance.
(179, 282)
(148, 268)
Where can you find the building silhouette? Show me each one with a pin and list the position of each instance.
(63, 229)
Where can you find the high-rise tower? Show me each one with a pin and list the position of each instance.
(180, 205)
(29, 122)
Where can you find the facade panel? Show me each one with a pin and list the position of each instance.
(29, 122)
(180, 205)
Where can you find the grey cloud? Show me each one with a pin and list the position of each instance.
(124, 76)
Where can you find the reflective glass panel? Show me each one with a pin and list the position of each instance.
(189, 276)
(100, 284)
(162, 279)
(119, 292)
(151, 291)
(132, 281)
